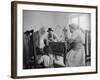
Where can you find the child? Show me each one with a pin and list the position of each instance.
(47, 58)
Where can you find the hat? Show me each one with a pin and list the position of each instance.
(49, 29)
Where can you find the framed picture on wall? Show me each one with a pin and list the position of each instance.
(51, 39)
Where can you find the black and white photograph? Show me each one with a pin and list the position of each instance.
(56, 39)
(53, 39)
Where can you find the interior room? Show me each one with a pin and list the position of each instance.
(36, 23)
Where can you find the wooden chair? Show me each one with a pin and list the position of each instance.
(59, 49)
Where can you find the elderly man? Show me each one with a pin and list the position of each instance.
(50, 36)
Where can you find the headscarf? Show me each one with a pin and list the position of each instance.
(74, 26)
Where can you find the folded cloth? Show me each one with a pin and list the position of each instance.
(59, 61)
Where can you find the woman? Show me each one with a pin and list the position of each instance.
(76, 54)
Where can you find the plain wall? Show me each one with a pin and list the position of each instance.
(56, 20)
(37, 19)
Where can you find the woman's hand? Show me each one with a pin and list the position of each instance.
(70, 41)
